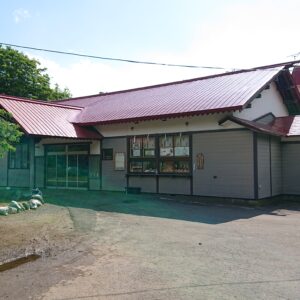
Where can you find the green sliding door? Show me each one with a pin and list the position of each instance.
(67, 166)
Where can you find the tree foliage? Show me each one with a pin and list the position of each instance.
(22, 76)
(9, 133)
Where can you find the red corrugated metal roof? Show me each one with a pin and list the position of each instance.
(296, 75)
(289, 125)
(223, 92)
(80, 101)
(46, 119)
(282, 126)
(255, 126)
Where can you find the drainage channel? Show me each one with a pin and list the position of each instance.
(17, 262)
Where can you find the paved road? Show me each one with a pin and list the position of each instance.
(144, 247)
(147, 248)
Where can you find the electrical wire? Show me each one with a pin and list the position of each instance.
(113, 59)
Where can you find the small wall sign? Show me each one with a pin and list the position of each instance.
(119, 161)
(200, 161)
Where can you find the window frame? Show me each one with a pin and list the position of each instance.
(107, 157)
(158, 159)
(19, 153)
(142, 158)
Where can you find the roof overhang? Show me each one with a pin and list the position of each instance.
(288, 126)
(44, 119)
(160, 117)
(253, 126)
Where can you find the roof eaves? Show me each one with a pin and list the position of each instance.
(26, 100)
(255, 94)
(66, 137)
(15, 120)
(164, 116)
(248, 124)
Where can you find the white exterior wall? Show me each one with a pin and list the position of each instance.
(197, 123)
(270, 101)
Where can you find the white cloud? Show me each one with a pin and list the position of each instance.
(21, 14)
(87, 77)
(247, 35)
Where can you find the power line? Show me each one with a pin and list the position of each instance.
(295, 55)
(113, 59)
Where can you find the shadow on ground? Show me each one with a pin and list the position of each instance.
(161, 206)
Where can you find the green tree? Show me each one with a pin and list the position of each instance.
(9, 133)
(23, 77)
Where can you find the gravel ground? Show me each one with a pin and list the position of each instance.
(113, 246)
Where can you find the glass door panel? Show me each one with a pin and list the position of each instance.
(83, 171)
(66, 168)
(61, 170)
(51, 170)
(72, 170)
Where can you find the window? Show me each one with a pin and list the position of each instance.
(68, 166)
(177, 145)
(142, 147)
(19, 159)
(142, 155)
(174, 166)
(165, 154)
(174, 151)
(107, 154)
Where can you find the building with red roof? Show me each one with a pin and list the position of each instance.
(234, 135)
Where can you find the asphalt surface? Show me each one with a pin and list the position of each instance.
(144, 247)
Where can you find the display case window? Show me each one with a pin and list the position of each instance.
(177, 145)
(164, 154)
(181, 147)
(136, 166)
(149, 146)
(149, 166)
(175, 166)
(166, 146)
(142, 147)
(136, 147)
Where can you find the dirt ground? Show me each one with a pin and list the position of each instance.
(116, 246)
(35, 232)
(48, 232)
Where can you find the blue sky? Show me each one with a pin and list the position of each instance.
(233, 34)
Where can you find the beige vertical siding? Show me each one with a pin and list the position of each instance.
(113, 180)
(174, 185)
(3, 170)
(19, 177)
(263, 166)
(228, 164)
(276, 166)
(291, 168)
(94, 172)
(39, 171)
(147, 184)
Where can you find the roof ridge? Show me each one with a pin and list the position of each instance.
(172, 83)
(42, 102)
